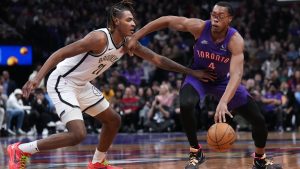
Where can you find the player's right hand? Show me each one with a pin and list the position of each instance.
(29, 86)
(131, 44)
(205, 75)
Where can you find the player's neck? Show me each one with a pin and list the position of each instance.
(117, 38)
(218, 36)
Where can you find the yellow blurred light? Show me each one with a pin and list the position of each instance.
(12, 60)
(23, 50)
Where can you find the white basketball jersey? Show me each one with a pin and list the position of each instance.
(85, 67)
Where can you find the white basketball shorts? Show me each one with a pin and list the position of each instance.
(71, 100)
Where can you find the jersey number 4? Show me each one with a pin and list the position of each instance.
(212, 66)
(98, 70)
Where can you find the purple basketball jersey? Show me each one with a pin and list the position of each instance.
(210, 55)
(215, 56)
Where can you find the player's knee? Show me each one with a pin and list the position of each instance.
(113, 119)
(259, 121)
(78, 137)
(186, 104)
(116, 120)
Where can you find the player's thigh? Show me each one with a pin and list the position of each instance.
(109, 116)
(92, 101)
(189, 96)
(251, 112)
(64, 98)
(240, 96)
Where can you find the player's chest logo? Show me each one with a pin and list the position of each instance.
(204, 42)
(223, 48)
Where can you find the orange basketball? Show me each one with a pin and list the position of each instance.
(220, 137)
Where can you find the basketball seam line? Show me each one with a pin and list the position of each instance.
(224, 143)
(209, 136)
(217, 138)
(233, 138)
(224, 133)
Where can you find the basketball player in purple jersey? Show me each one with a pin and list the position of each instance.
(218, 47)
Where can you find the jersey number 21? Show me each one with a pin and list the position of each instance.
(98, 70)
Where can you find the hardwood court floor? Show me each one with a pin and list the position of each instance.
(161, 151)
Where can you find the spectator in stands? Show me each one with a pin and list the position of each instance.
(108, 93)
(142, 101)
(8, 84)
(15, 108)
(129, 110)
(160, 113)
(3, 99)
(288, 106)
(132, 74)
(272, 109)
(161, 37)
(41, 111)
(292, 54)
(294, 80)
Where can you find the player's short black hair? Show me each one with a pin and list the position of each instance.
(227, 5)
(117, 9)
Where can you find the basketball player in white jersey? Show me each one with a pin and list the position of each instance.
(70, 90)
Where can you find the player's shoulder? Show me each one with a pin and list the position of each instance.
(236, 43)
(195, 26)
(236, 38)
(195, 22)
(97, 36)
(95, 41)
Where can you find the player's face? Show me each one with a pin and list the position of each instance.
(220, 18)
(126, 23)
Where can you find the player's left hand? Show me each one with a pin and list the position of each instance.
(131, 44)
(205, 75)
(220, 115)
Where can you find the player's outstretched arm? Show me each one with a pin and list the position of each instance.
(168, 64)
(94, 41)
(236, 46)
(192, 25)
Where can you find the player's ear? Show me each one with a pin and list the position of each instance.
(230, 19)
(116, 21)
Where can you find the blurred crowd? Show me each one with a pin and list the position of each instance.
(147, 97)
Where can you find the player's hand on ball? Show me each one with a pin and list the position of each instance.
(205, 75)
(29, 86)
(220, 115)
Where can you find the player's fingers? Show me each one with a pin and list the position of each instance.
(230, 115)
(130, 53)
(204, 80)
(212, 75)
(210, 71)
(216, 118)
(220, 117)
(211, 78)
(224, 117)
